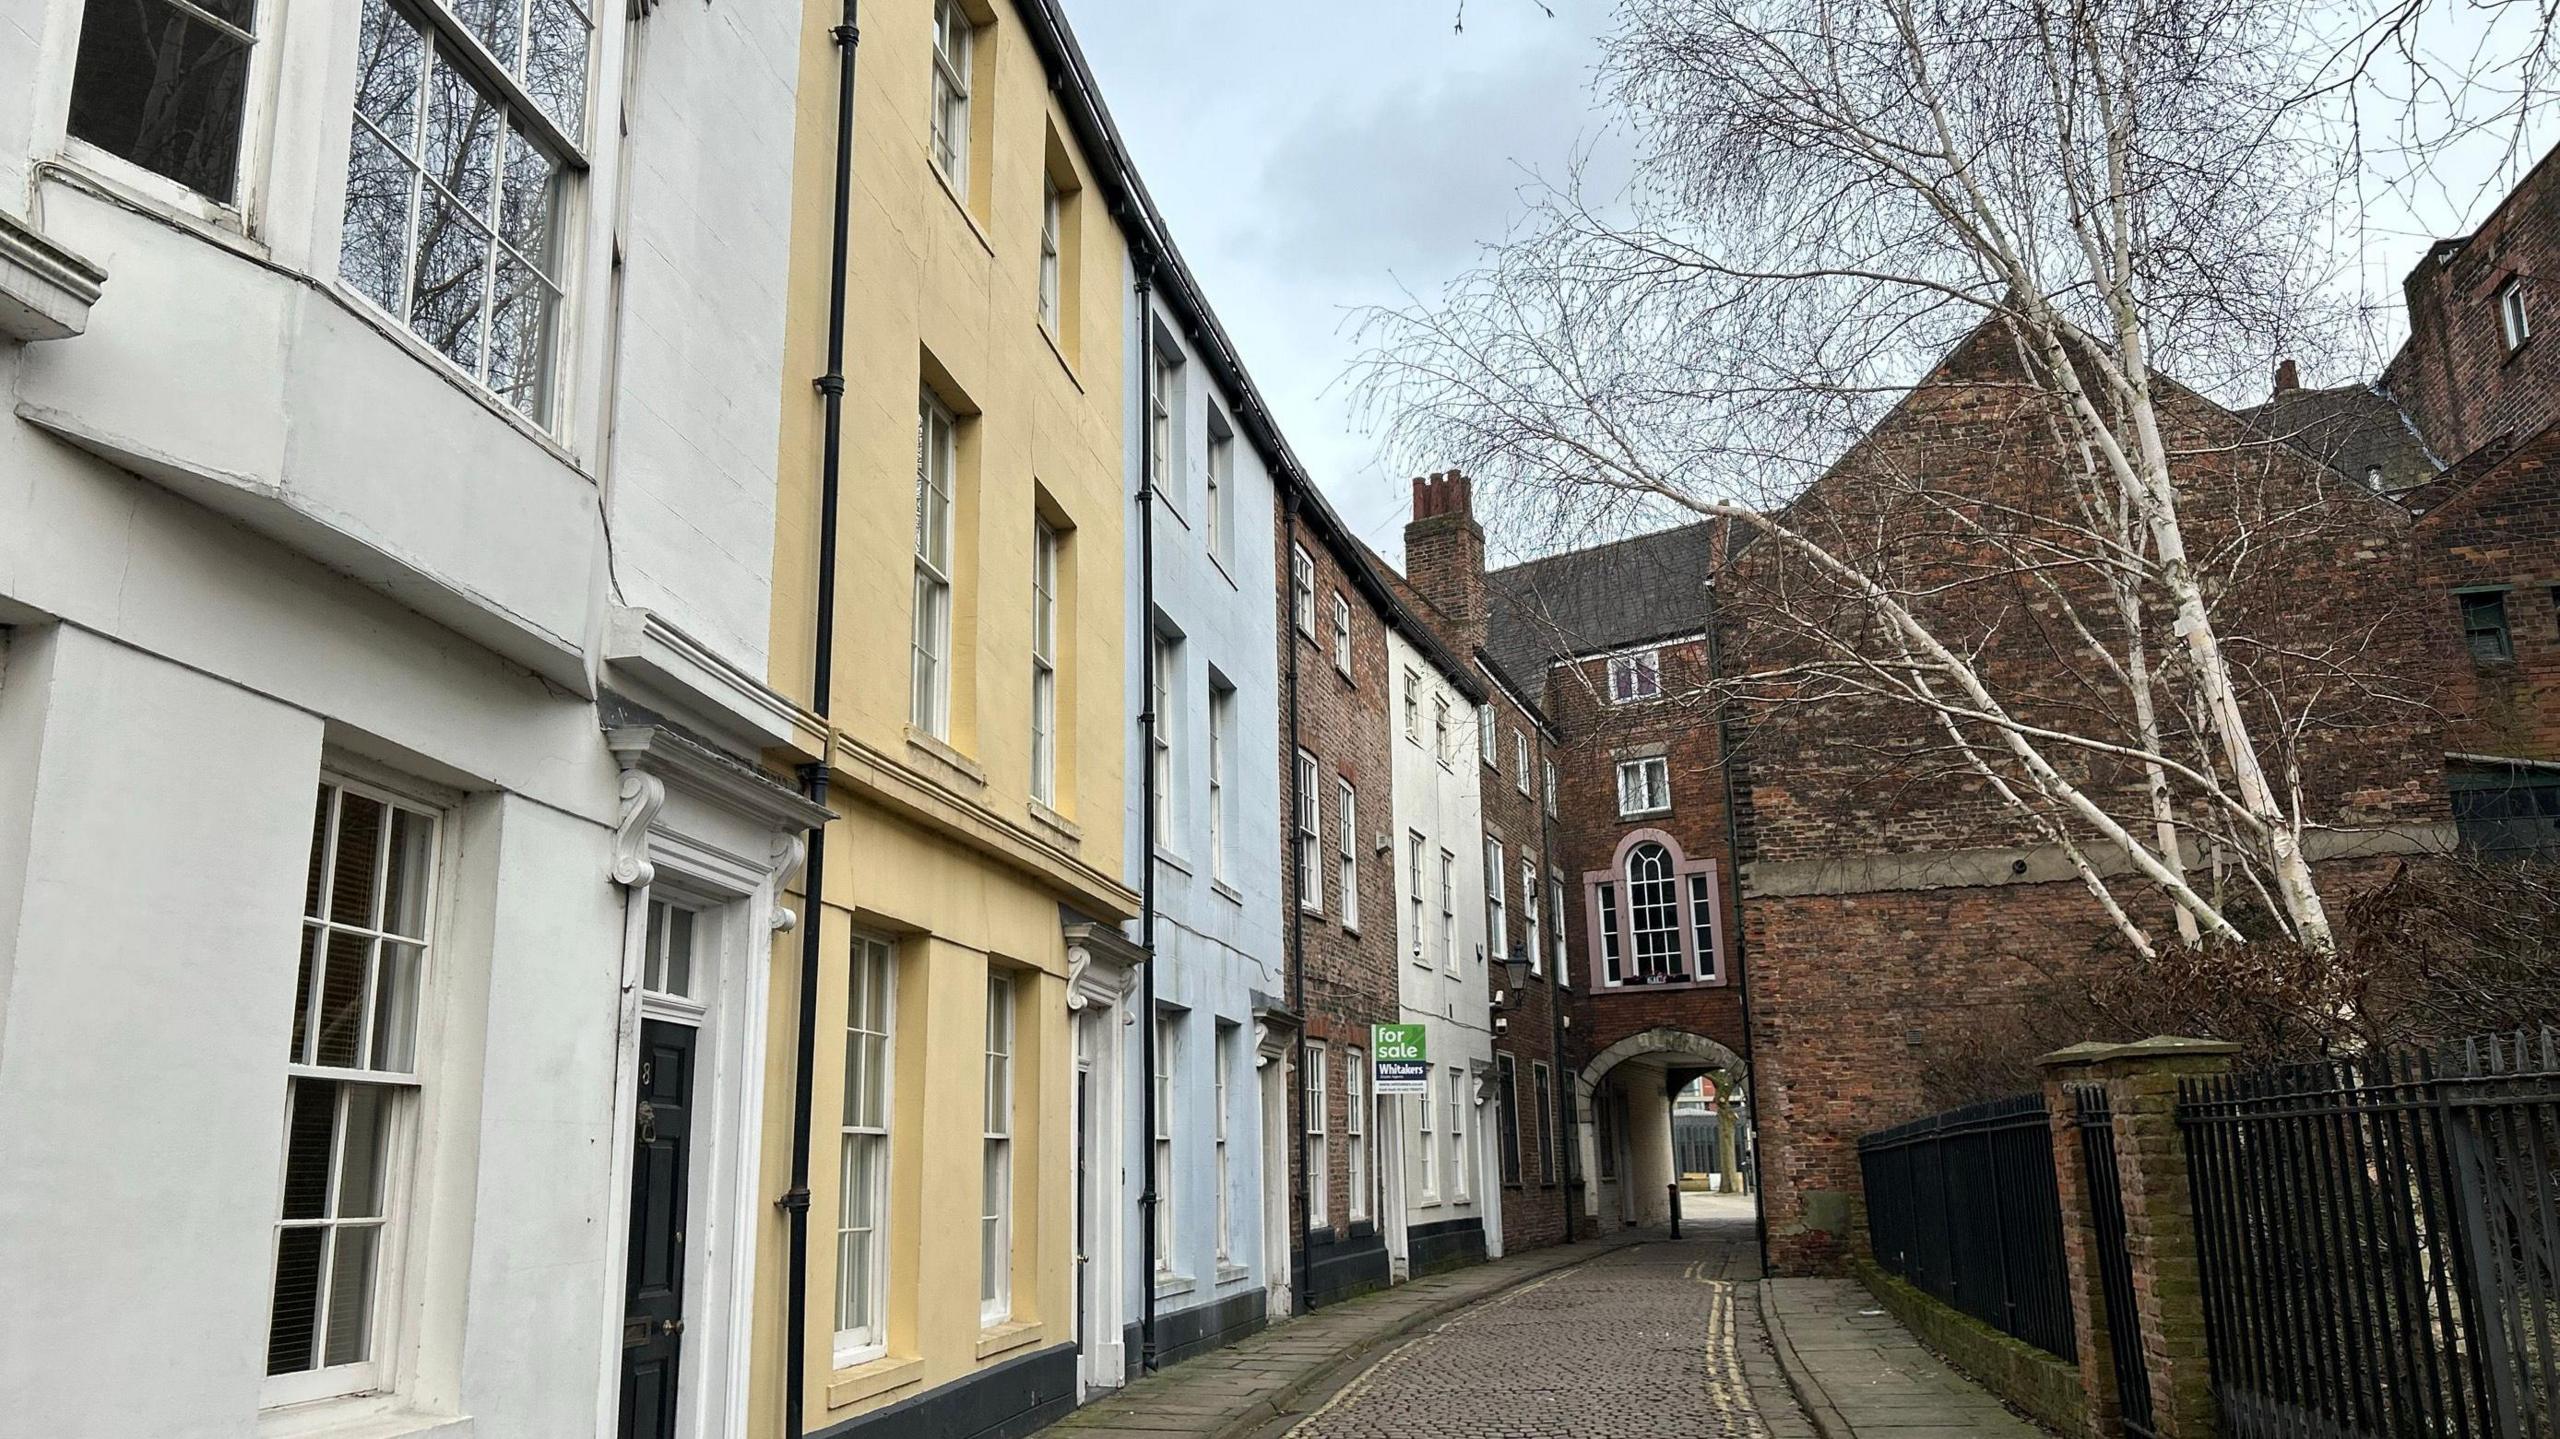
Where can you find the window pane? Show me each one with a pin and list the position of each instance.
(342, 1000)
(389, 52)
(360, 1155)
(373, 246)
(351, 1293)
(531, 199)
(499, 24)
(395, 1008)
(555, 64)
(451, 280)
(293, 1321)
(360, 824)
(461, 149)
(311, 941)
(163, 89)
(308, 1135)
(679, 976)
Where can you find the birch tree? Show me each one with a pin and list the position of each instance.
(1832, 195)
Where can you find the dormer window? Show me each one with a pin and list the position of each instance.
(2513, 324)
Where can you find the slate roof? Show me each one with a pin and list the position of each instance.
(2349, 428)
(1611, 596)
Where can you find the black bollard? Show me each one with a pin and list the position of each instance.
(1675, 1208)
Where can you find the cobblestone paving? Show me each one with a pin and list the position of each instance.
(1639, 1343)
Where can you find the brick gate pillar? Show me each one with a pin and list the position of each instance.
(2141, 1082)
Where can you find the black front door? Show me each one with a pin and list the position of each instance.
(653, 1295)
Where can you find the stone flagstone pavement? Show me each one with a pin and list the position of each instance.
(1860, 1374)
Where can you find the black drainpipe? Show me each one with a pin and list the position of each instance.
(1558, 1115)
(1733, 874)
(1298, 1256)
(795, 1200)
(1148, 1199)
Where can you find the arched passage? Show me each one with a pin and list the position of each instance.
(1623, 1116)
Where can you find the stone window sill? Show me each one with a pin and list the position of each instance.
(371, 1417)
(1170, 1284)
(944, 763)
(1233, 1273)
(862, 1381)
(1008, 1336)
(1068, 831)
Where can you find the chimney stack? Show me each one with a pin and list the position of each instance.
(1444, 554)
(2287, 377)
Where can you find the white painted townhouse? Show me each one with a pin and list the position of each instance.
(388, 853)
(1450, 1200)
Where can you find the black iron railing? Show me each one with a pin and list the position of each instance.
(2093, 1114)
(1963, 1206)
(2379, 1243)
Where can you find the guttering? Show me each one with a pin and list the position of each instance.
(1299, 1300)
(1148, 1199)
(1733, 882)
(830, 386)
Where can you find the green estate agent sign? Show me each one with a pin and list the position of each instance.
(1400, 1065)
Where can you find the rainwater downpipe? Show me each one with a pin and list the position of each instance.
(1733, 877)
(1298, 1256)
(813, 777)
(1148, 1199)
(1556, 1120)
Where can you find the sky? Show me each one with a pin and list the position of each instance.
(1316, 156)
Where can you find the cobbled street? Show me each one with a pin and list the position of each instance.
(1639, 1343)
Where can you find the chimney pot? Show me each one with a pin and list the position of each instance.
(2287, 376)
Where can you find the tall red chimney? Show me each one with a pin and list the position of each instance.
(1444, 554)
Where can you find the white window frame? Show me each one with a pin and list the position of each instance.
(1413, 706)
(1550, 788)
(1219, 1063)
(862, 1334)
(1319, 1166)
(1164, 425)
(1346, 827)
(929, 641)
(1496, 911)
(1413, 889)
(1531, 938)
(1168, 1036)
(995, 1221)
(1520, 759)
(1222, 719)
(2515, 324)
(1044, 660)
(1429, 1146)
(1644, 786)
(1302, 590)
(1355, 1126)
(1460, 1190)
(1635, 677)
(401, 1090)
(1449, 910)
(1488, 737)
(1440, 730)
(1341, 634)
(1309, 803)
(1218, 507)
(1052, 224)
(947, 134)
(1562, 931)
(1168, 652)
(450, 38)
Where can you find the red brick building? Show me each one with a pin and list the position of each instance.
(2481, 389)
(1336, 607)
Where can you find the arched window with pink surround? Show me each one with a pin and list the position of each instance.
(1657, 916)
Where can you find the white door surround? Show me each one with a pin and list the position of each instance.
(1275, 1042)
(1102, 969)
(722, 841)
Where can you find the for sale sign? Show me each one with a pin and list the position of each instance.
(1398, 1063)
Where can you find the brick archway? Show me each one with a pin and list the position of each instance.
(1650, 1042)
(1684, 1048)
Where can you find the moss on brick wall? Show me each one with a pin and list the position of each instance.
(2037, 1382)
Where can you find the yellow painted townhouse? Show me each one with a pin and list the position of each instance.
(948, 582)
